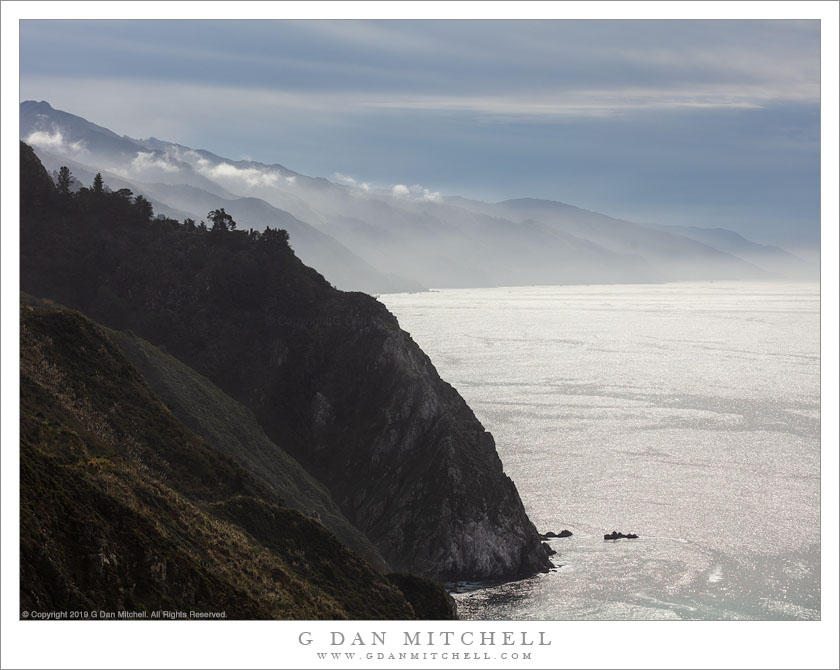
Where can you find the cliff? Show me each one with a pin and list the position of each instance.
(124, 508)
(330, 376)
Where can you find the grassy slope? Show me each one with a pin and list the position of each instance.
(123, 507)
(232, 428)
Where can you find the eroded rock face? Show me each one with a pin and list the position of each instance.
(426, 483)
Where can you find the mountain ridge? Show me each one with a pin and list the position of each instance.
(62, 131)
(446, 242)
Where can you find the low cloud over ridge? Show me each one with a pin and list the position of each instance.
(415, 192)
(54, 141)
(148, 160)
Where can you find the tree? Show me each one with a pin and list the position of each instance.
(189, 224)
(221, 220)
(97, 183)
(279, 236)
(65, 180)
(144, 208)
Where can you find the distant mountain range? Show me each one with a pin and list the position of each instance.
(400, 240)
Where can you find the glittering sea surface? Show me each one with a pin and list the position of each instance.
(687, 413)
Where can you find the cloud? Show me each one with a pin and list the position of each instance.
(188, 156)
(149, 161)
(335, 69)
(421, 193)
(54, 141)
(433, 58)
(250, 176)
(347, 180)
(332, 108)
(593, 103)
(414, 192)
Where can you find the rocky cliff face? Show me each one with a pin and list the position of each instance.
(429, 488)
(329, 375)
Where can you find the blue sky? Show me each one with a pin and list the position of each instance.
(710, 123)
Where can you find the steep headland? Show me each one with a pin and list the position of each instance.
(330, 376)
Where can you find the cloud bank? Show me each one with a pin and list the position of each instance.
(347, 180)
(53, 140)
(250, 177)
(149, 161)
(414, 192)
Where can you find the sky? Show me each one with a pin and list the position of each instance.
(707, 123)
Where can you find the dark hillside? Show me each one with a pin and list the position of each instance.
(124, 508)
(330, 376)
(232, 428)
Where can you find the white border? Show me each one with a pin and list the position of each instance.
(273, 644)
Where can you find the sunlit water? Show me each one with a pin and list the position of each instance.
(687, 413)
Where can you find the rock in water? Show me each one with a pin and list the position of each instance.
(550, 534)
(615, 535)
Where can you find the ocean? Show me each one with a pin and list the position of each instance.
(688, 413)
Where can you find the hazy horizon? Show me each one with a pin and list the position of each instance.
(689, 123)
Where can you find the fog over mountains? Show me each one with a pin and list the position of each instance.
(406, 238)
